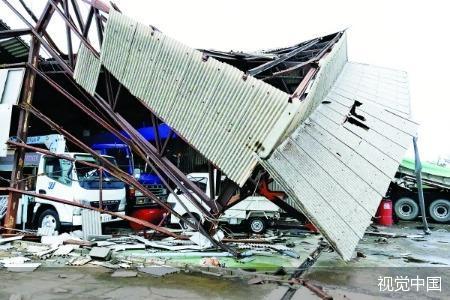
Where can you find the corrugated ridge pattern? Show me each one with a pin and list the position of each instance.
(330, 68)
(87, 69)
(337, 172)
(91, 223)
(219, 111)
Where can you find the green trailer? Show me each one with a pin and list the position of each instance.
(436, 184)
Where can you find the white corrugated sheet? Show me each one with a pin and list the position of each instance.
(337, 172)
(87, 69)
(225, 115)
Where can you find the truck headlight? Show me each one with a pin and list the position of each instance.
(121, 206)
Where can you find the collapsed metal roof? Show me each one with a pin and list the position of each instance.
(12, 49)
(333, 145)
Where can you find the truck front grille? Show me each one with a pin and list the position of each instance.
(109, 205)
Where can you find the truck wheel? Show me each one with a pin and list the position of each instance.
(49, 219)
(257, 225)
(194, 220)
(406, 209)
(440, 210)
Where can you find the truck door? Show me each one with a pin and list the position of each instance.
(56, 180)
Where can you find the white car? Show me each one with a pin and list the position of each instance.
(257, 211)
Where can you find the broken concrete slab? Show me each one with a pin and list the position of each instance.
(124, 274)
(100, 253)
(14, 260)
(104, 243)
(201, 240)
(158, 271)
(64, 250)
(22, 267)
(5, 247)
(102, 237)
(10, 239)
(127, 247)
(104, 264)
(44, 231)
(56, 240)
(79, 261)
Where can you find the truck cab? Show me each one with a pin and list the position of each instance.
(73, 181)
(257, 212)
(125, 159)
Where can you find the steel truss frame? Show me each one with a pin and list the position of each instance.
(108, 118)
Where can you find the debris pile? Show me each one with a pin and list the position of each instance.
(129, 254)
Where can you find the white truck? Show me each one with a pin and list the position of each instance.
(256, 212)
(68, 180)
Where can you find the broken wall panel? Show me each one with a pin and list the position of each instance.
(87, 69)
(337, 172)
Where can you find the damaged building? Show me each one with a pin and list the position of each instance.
(330, 133)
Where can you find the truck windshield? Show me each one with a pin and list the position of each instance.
(122, 157)
(89, 178)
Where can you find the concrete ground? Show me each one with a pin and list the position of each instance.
(414, 257)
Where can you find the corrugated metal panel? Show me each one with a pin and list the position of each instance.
(337, 172)
(90, 223)
(87, 69)
(224, 115)
(3, 205)
(330, 68)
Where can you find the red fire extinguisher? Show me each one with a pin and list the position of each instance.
(384, 213)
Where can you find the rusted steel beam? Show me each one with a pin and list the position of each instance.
(114, 170)
(28, 10)
(88, 22)
(313, 60)
(45, 34)
(270, 64)
(153, 155)
(6, 34)
(47, 152)
(125, 177)
(78, 15)
(166, 143)
(156, 132)
(26, 100)
(79, 104)
(13, 65)
(114, 214)
(212, 190)
(117, 172)
(39, 30)
(299, 91)
(68, 34)
(74, 28)
(111, 129)
(99, 24)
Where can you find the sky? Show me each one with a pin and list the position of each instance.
(406, 35)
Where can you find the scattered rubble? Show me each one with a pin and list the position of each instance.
(124, 274)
